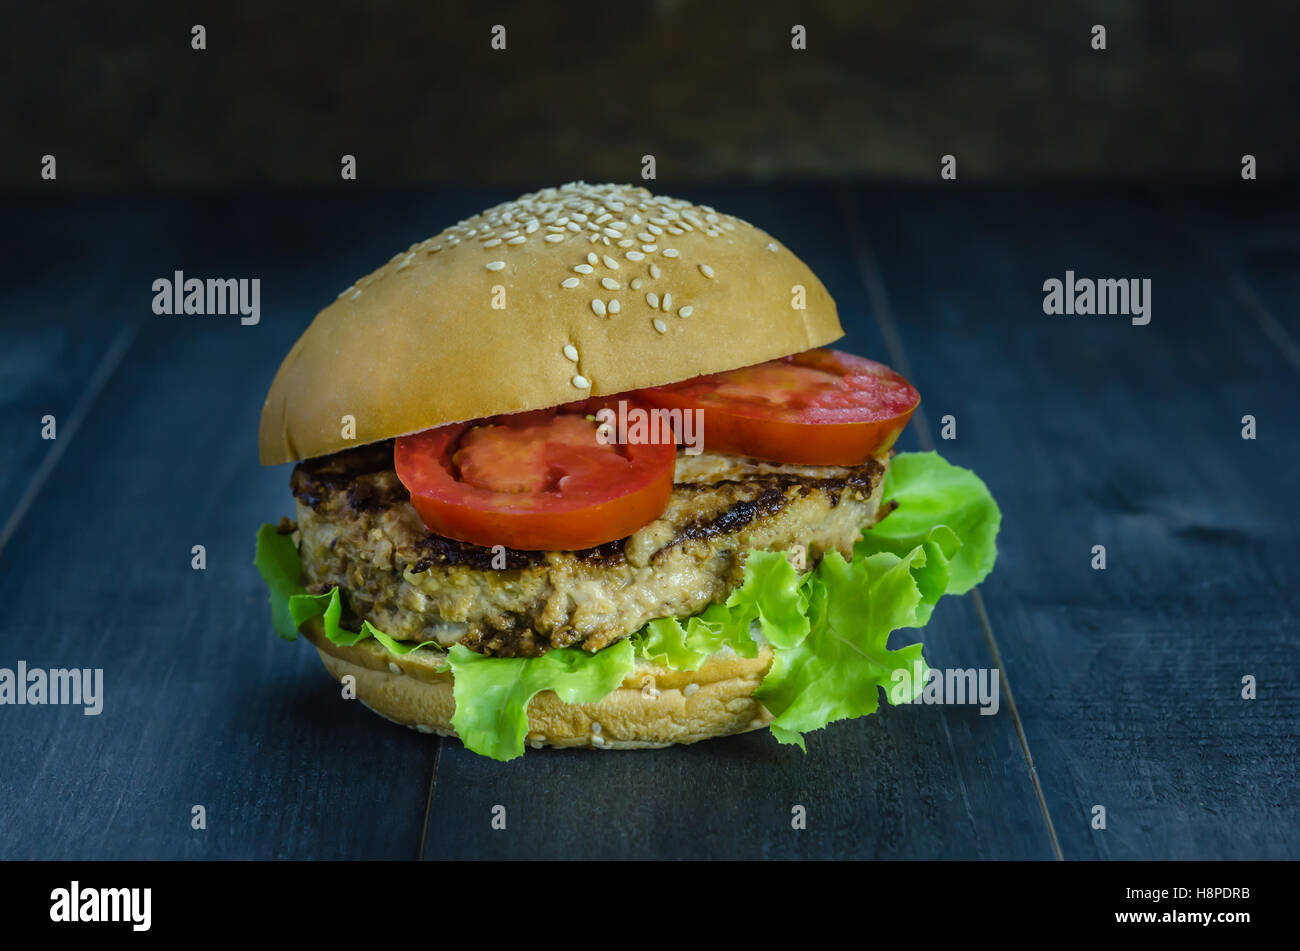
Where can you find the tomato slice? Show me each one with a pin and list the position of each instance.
(820, 407)
(537, 481)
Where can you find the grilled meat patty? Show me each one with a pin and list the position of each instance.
(360, 532)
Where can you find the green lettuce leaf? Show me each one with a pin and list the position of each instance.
(829, 629)
(492, 693)
(931, 492)
(774, 595)
(278, 562)
(835, 672)
(667, 642)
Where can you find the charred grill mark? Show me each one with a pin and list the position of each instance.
(608, 555)
(438, 552)
(733, 518)
(362, 474)
(776, 492)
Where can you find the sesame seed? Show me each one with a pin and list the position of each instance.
(652, 299)
(433, 249)
(597, 741)
(491, 242)
(626, 243)
(511, 234)
(706, 270)
(610, 263)
(571, 352)
(670, 252)
(649, 248)
(519, 240)
(570, 282)
(634, 256)
(406, 262)
(654, 229)
(573, 226)
(553, 238)
(591, 258)
(495, 265)
(676, 231)
(581, 382)
(598, 306)
(394, 668)
(667, 303)
(647, 238)
(610, 284)
(356, 294)
(690, 689)
(654, 271)
(615, 307)
(636, 284)
(603, 218)
(595, 729)
(345, 291)
(532, 226)
(612, 233)
(660, 325)
(636, 219)
(771, 246)
(686, 311)
(583, 268)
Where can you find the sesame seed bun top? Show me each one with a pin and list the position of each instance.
(565, 293)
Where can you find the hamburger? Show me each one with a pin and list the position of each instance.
(582, 470)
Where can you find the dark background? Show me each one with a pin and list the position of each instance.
(1121, 688)
(711, 88)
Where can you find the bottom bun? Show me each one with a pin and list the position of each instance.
(655, 706)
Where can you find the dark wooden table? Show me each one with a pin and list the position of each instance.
(1122, 687)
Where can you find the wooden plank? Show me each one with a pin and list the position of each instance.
(910, 782)
(64, 261)
(1251, 232)
(1093, 431)
(203, 704)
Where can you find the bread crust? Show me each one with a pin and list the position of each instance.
(655, 706)
(419, 343)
